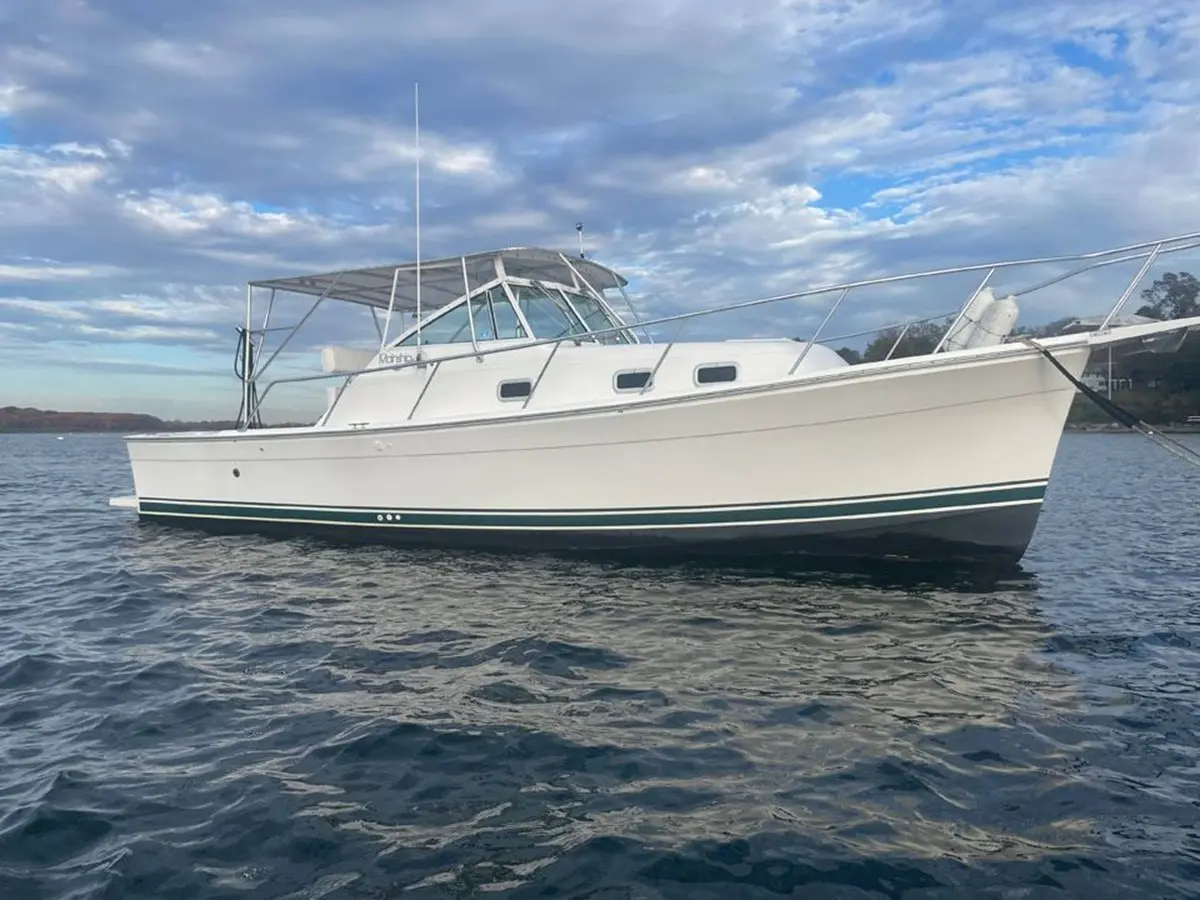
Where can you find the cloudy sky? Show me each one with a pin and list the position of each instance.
(155, 156)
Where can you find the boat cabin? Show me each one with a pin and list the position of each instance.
(515, 330)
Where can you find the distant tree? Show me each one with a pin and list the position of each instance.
(1171, 378)
(1050, 329)
(850, 355)
(917, 340)
(1173, 296)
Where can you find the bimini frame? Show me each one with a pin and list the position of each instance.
(387, 288)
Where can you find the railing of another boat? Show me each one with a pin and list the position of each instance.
(1147, 251)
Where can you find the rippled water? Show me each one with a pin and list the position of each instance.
(191, 716)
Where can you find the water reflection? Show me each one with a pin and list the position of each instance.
(669, 703)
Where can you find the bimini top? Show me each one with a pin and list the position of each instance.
(442, 279)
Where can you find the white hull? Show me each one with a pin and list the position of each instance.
(956, 448)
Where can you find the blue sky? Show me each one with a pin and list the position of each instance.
(154, 157)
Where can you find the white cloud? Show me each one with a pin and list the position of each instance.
(188, 59)
(52, 169)
(382, 150)
(53, 272)
(149, 333)
(43, 309)
(184, 213)
(15, 98)
(72, 148)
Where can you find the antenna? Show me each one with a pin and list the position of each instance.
(417, 195)
(579, 231)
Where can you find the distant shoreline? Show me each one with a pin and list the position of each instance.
(28, 420)
(1116, 428)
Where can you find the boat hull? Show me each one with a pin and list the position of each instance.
(942, 459)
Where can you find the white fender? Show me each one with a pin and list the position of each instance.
(996, 323)
(960, 334)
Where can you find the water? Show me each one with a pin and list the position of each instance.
(187, 716)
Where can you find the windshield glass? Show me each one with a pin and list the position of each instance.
(597, 319)
(551, 312)
(494, 320)
(548, 314)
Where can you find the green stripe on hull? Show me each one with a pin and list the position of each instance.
(604, 519)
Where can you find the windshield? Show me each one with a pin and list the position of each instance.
(551, 312)
(597, 319)
(494, 320)
(548, 314)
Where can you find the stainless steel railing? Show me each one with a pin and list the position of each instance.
(1148, 251)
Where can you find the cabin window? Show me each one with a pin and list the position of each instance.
(632, 381)
(549, 316)
(516, 390)
(716, 374)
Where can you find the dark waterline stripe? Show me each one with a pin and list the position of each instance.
(813, 501)
(894, 505)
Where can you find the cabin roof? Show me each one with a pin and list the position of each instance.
(441, 279)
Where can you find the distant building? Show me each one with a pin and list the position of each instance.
(1097, 380)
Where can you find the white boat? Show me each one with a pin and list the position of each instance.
(520, 410)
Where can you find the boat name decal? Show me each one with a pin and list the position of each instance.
(391, 359)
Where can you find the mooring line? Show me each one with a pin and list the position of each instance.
(1121, 416)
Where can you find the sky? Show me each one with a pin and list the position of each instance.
(154, 157)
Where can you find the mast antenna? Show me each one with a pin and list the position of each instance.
(579, 231)
(417, 195)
